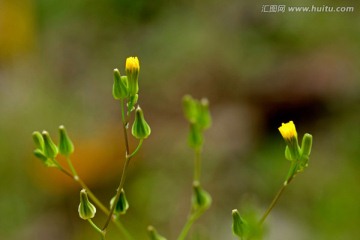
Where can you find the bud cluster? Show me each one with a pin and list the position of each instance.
(46, 150)
(126, 88)
(198, 114)
(298, 156)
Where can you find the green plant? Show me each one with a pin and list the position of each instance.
(197, 113)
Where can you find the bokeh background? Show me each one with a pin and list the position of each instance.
(257, 69)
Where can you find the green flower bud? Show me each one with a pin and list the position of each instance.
(140, 128)
(132, 69)
(288, 154)
(305, 150)
(153, 235)
(86, 209)
(195, 138)
(306, 145)
(191, 108)
(120, 87)
(50, 149)
(38, 140)
(66, 147)
(200, 199)
(132, 101)
(239, 225)
(122, 204)
(46, 161)
(204, 118)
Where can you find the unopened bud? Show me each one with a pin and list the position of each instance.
(140, 128)
(132, 68)
(153, 234)
(38, 140)
(66, 147)
(288, 132)
(120, 87)
(46, 161)
(122, 204)
(200, 199)
(204, 118)
(306, 145)
(239, 225)
(86, 209)
(50, 149)
(191, 108)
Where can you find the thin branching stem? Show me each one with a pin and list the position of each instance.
(127, 161)
(275, 200)
(102, 234)
(92, 196)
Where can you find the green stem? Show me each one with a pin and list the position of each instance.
(275, 200)
(66, 172)
(102, 233)
(196, 214)
(190, 221)
(72, 167)
(122, 110)
(118, 191)
(136, 150)
(96, 201)
(197, 168)
(123, 176)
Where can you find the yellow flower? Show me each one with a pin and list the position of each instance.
(288, 130)
(132, 64)
(132, 69)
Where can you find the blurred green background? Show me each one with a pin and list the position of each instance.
(257, 69)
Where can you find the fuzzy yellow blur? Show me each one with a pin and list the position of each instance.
(288, 130)
(132, 64)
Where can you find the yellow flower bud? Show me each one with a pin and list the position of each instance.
(288, 130)
(132, 69)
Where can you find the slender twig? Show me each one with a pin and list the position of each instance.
(190, 221)
(97, 229)
(127, 161)
(96, 201)
(194, 215)
(136, 150)
(118, 191)
(197, 167)
(275, 200)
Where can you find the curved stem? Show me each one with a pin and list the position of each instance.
(96, 201)
(190, 221)
(136, 150)
(97, 229)
(275, 200)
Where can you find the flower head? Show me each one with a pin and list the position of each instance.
(288, 130)
(132, 69)
(132, 64)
